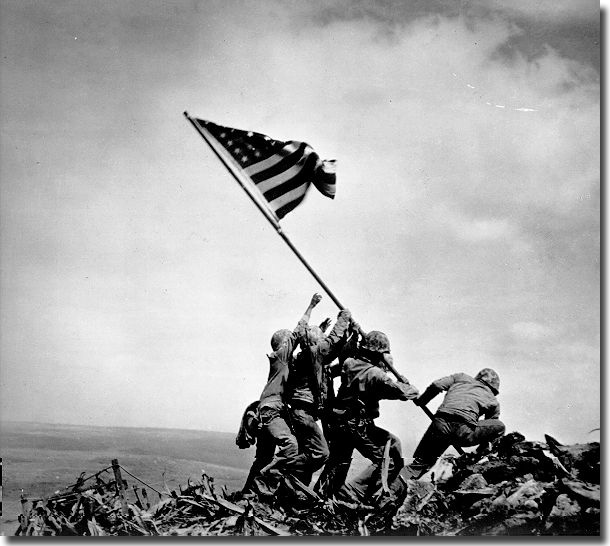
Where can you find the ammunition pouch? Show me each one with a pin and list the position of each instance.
(350, 410)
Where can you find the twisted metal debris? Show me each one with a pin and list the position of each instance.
(518, 488)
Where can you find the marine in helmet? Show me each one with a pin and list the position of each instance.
(308, 390)
(364, 382)
(458, 419)
(275, 431)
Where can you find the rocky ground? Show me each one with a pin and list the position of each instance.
(518, 487)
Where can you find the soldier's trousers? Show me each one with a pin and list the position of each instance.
(275, 432)
(311, 442)
(370, 440)
(443, 432)
(265, 448)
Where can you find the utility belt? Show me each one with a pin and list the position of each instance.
(302, 405)
(354, 410)
(454, 418)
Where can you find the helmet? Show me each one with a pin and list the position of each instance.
(314, 334)
(376, 341)
(490, 378)
(278, 338)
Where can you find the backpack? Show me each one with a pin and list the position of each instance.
(249, 427)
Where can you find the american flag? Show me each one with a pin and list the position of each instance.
(281, 171)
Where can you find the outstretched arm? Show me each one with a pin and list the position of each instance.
(388, 389)
(331, 344)
(325, 324)
(350, 347)
(437, 387)
(301, 328)
(427, 395)
(315, 299)
(409, 392)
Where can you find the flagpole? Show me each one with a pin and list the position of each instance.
(225, 161)
(274, 221)
(267, 213)
(309, 268)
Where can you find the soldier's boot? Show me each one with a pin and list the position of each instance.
(331, 479)
(415, 470)
(266, 484)
(388, 503)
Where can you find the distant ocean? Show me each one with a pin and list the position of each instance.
(40, 459)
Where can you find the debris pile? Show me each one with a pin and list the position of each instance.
(100, 506)
(517, 487)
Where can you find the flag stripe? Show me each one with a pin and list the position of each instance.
(285, 161)
(296, 193)
(285, 209)
(282, 177)
(325, 188)
(301, 177)
(281, 172)
(269, 162)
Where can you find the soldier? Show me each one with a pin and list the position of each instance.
(249, 434)
(363, 384)
(457, 419)
(274, 429)
(307, 391)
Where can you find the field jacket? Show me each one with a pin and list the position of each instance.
(279, 362)
(363, 385)
(467, 399)
(307, 380)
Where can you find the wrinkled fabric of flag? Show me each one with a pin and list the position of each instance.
(281, 171)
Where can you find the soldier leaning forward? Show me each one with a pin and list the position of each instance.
(457, 420)
(364, 383)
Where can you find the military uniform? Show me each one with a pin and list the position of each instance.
(457, 419)
(307, 394)
(273, 414)
(363, 385)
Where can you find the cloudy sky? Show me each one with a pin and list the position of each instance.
(140, 287)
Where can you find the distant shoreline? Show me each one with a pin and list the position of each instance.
(40, 458)
(73, 425)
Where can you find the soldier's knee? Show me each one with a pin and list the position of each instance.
(501, 428)
(323, 455)
(395, 446)
(288, 446)
(319, 457)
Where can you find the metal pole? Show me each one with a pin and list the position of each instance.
(225, 161)
(424, 408)
(309, 268)
(119, 484)
(275, 223)
(267, 213)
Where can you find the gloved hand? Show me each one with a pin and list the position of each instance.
(419, 401)
(355, 327)
(315, 299)
(389, 360)
(325, 324)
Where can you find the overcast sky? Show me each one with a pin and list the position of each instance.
(140, 286)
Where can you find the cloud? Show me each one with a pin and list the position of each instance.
(449, 128)
(557, 11)
(586, 353)
(454, 218)
(481, 230)
(397, 13)
(531, 331)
